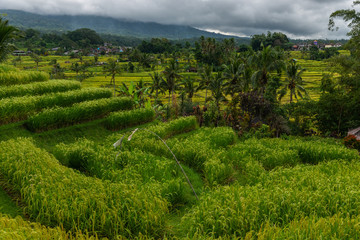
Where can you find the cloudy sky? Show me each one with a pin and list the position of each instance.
(298, 19)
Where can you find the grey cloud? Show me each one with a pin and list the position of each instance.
(296, 18)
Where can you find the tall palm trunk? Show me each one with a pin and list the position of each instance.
(205, 95)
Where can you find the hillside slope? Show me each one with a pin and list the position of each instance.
(106, 25)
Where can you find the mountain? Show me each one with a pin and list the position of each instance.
(104, 25)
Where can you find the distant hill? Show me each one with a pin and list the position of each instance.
(104, 25)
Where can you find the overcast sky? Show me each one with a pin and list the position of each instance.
(298, 19)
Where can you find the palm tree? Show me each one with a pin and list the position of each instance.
(36, 59)
(171, 74)
(145, 60)
(188, 56)
(206, 76)
(76, 67)
(188, 87)
(217, 86)
(157, 84)
(266, 61)
(233, 72)
(293, 80)
(112, 68)
(6, 34)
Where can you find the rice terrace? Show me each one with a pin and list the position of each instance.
(187, 134)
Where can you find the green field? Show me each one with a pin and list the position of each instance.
(311, 77)
(62, 178)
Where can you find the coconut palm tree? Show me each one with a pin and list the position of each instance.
(111, 69)
(76, 67)
(171, 74)
(6, 34)
(217, 87)
(293, 80)
(188, 87)
(36, 59)
(265, 62)
(233, 73)
(206, 76)
(157, 84)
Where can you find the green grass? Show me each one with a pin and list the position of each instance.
(8, 206)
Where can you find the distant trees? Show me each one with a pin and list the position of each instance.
(271, 39)
(80, 38)
(211, 52)
(156, 45)
(85, 37)
(316, 54)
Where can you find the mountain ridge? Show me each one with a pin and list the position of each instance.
(104, 25)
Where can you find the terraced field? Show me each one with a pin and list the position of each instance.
(66, 174)
(311, 77)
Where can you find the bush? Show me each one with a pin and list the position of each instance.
(80, 112)
(351, 142)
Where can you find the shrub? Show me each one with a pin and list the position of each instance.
(351, 142)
